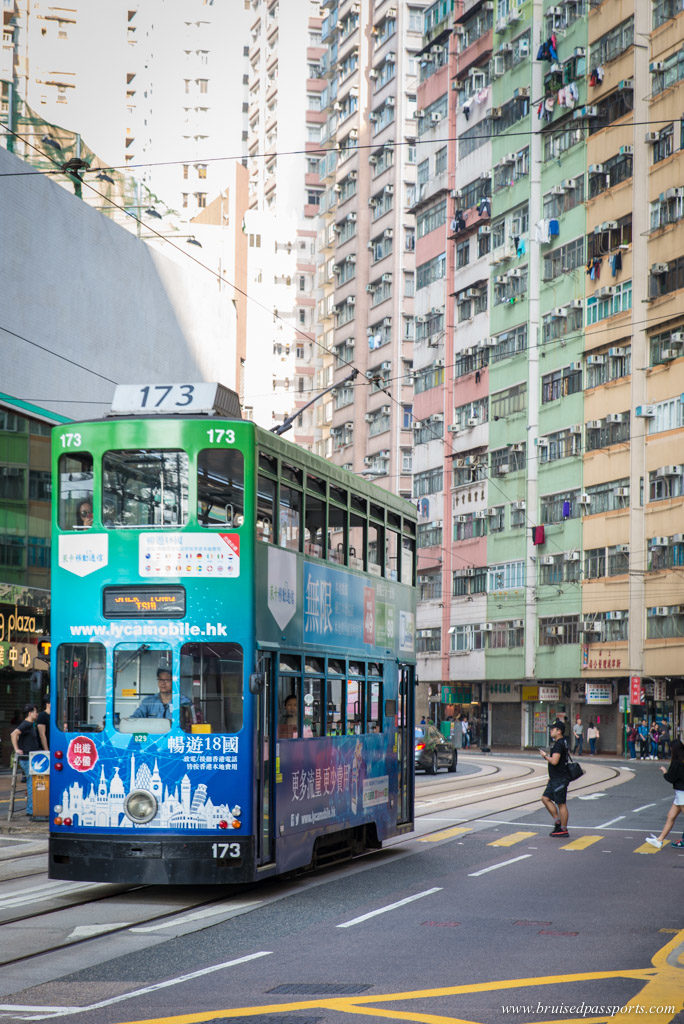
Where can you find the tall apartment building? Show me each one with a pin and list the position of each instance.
(555, 587)
(151, 84)
(366, 271)
(285, 119)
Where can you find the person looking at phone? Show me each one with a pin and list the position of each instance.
(555, 796)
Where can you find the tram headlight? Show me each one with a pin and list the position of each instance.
(140, 806)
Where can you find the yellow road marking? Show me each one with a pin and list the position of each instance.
(582, 843)
(647, 848)
(445, 834)
(515, 837)
(358, 1003)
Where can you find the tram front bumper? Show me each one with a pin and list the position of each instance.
(148, 860)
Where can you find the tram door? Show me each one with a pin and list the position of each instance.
(405, 742)
(264, 765)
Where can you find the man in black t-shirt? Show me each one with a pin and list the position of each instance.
(24, 740)
(43, 726)
(555, 795)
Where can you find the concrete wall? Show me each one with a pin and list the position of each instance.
(86, 305)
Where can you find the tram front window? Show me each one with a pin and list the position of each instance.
(220, 487)
(76, 491)
(145, 488)
(143, 689)
(81, 702)
(211, 687)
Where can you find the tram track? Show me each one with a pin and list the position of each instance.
(460, 791)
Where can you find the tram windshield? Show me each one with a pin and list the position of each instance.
(145, 488)
(143, 689)
(81, 697)
(76, 491)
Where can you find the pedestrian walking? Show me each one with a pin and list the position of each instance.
(593, 736)
(555, 796)
(642, 729)
(665, 745)
(578, 733)
(632, 736)
(25, 739)
(654, 736)
(43, 726)
(675, 775)
(464, 732)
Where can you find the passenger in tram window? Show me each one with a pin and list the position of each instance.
(287, 729)
(85, 515)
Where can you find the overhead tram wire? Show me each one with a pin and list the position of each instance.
(321, 151)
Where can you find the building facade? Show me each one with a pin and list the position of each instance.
(552, 537)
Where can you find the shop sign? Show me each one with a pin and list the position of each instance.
(598, 693)
(659, 689)
(636, 695)
(501, 692)
(601, 659)
(530, 693)
(550, 693)
(452, 695)
(20, 657)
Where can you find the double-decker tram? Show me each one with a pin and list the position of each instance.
(233, 645)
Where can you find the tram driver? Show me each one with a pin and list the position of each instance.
(158, 705)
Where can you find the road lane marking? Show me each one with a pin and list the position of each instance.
(148, 988)
(637, 809)
(612, 821)
(647, 848)
(495, 867)
(391, 906)
(444, 834)
(582, 843)
(515, 837)
(197, 915)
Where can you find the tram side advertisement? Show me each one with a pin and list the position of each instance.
(341, 779)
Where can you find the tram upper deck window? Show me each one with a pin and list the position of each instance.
(375, 548)
(355, 715)
(143, 689)
(289, 524)
(408, 554)
(314, 527)
(220, 487)
(145, 488)
(357, 541)
(81, 700)
(75, 510)
(337, 533)
(211, 680)
(265, 513)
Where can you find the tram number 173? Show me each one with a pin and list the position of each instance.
(223, 851)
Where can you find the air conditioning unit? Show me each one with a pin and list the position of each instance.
(656, 65)
(547, 560)
(571, 556)
(577, 304)
(677, 338)
(517, 448)
(590, 627)
(596, 360)
(596, 169)
(484, 229)
(576, 428)
(557, 631)
(626, 150)
(542, 442)
(584, 499)
(487, 627)
(614, 417)
(456, 193)
(367, 460)
(567, 184)
(603, 293)
(473, 421)
(659, 268)
(517, 623)
(585, 112)
(369, 417)
(614, 616)
(481, 514)
(660, 611)
(388, 233)
(439, 363)
(387, 278)
(659, 542)
(651, 137)
(371, 288)
(669, 471)
(677, 538)
(559, 312)
(669, 353)
(372, 73)
(390, 101)
(469, 572)
(504, 468)
(351, 216)
(492, 512)
(435, 118)
(453, 428)
(501, 24)
(557, 190)
(497, 112)
(385, 366)
(617, 353)
(498, 66)
(461, 519)
(593, 424)
(622, 492)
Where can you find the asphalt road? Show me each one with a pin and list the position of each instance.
(485, 920)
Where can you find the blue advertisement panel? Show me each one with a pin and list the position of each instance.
(344, 782)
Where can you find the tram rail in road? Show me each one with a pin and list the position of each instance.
(64, 908)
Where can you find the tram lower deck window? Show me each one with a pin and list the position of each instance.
(81, 700)
(211, 680)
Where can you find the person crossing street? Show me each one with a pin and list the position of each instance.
(555, 796)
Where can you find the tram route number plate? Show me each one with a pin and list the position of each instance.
(226, 851)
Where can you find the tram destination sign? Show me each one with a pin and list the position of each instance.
(143, 602)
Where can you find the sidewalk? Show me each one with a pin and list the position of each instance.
(21, 824)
